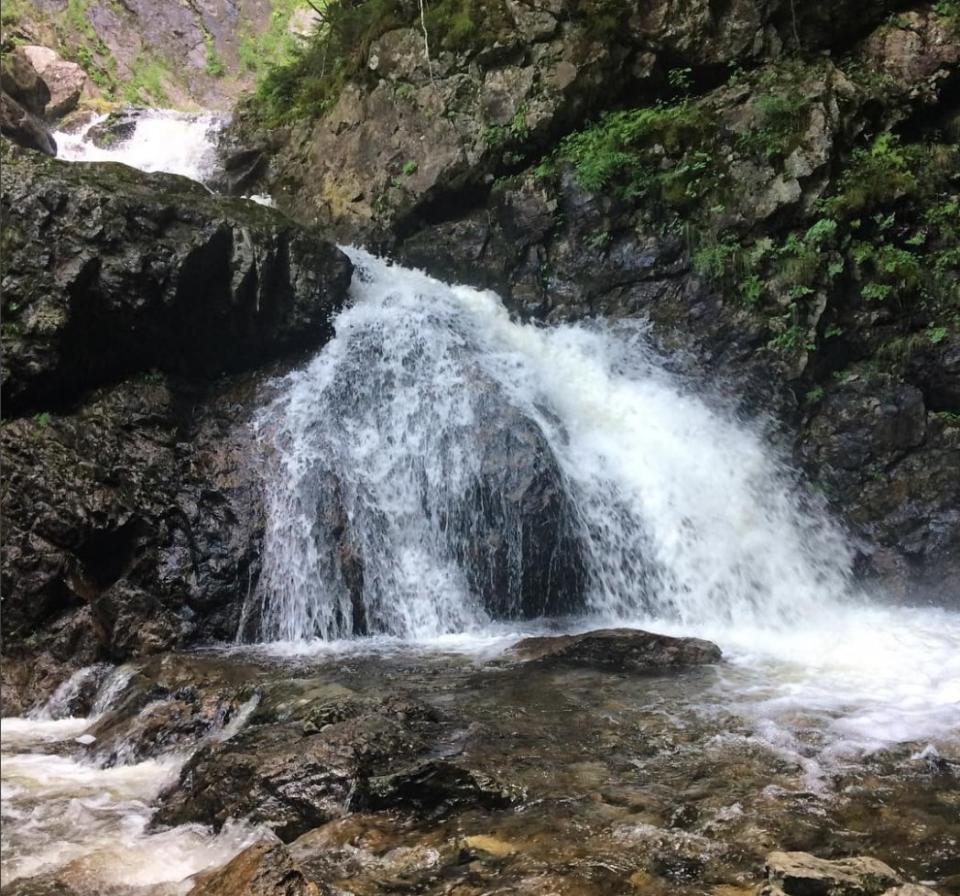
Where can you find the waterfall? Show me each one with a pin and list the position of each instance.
(158, 140)
(388, 479)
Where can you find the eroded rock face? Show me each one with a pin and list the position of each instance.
(110, 271)
(131, 525)
(620, 650)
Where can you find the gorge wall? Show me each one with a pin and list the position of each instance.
(774, 186)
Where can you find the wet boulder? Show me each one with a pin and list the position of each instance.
(264, 869)
(291, 777)
(434, 788)
(515, 529)
(116, 128)
(111, 272)
(801, 874)
(619, 650)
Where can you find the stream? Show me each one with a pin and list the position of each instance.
(832, 725)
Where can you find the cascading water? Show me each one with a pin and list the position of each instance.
(380, 448)
(161, 140)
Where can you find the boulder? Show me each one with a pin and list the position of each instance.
(264, 869)
(116, 128)
(434, 788)
(619, 650)
(23, 127)
(66, 81)
(801, 874)
(110, 271)
(21, 81)
(515, 529)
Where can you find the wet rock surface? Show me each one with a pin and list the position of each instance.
(388, 773)
(619, 650)
(131, 525)
(109, 272)
(264, 869)
(801, 874)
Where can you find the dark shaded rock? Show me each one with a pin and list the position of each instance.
(434, 788)
(132, 525)
(620, 650)
(24, 128)
(110, 271)
(521, 551)
(116, 128)
(21, 81)
(264, 869)
(278, 775)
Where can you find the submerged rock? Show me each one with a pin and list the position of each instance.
(619, 650)
(110, 271)
(801, 874)
(434, 788)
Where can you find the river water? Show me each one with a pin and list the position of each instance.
(829, 701)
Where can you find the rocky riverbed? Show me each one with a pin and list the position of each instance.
(404, 770)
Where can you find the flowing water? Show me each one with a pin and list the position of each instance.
(687, 523)
(187, 142)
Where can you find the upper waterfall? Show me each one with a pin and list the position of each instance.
(395, 506)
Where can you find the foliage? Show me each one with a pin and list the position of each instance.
(214, 64)
(627, 153)
(147, 82)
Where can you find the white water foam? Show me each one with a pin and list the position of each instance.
(164, 140)
(89, 824)
(692, 527)
(682, 511)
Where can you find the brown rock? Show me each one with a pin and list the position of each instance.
(264, 869)
(801, 874)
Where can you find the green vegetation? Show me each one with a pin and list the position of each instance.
(147, 82)
(304, 79)
(652, 153)
(214, 64)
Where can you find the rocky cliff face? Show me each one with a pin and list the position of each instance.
(132, 517)
(197, 54)
(774, 187)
